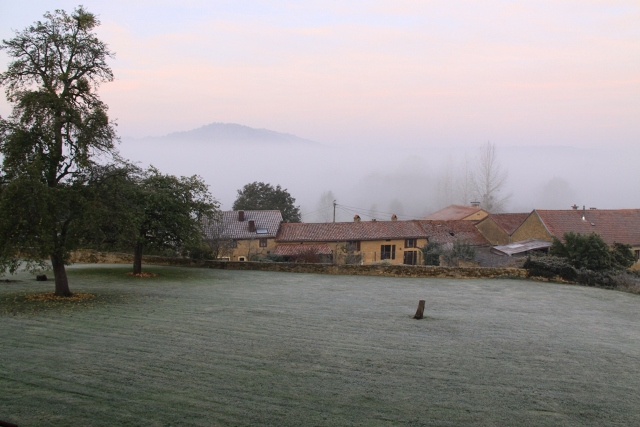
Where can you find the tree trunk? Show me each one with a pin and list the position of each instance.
(420, 311)
(60, 274)
(137, 259)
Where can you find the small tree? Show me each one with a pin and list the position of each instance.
(261, 196)
(460, 251)
(622, 256)
(169, 212)
(431, 253)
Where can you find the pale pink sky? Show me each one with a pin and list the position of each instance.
(407, 72)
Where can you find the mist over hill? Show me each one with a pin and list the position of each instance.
(225, 133)
(409, 181)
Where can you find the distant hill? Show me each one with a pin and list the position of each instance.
(230, 132)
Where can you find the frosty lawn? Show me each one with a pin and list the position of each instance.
(213, 347)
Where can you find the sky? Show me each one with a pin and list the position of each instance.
(371, 73)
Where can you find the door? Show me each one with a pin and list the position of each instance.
(411, 257)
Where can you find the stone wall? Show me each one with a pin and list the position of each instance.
(386, 270)
(373, 270)
(94, 257)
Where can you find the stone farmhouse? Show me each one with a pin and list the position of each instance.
(396, 242)
(243, 235)
(613, 225)
(254, 235)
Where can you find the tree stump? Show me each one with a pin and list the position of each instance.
(420, 312)
(41, 277)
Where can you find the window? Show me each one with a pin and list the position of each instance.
(263, 243)
(410, 243)
(387, 252)
(353, 245)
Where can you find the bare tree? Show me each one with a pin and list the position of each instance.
(489, 180)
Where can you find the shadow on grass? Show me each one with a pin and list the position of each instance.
(32, 303)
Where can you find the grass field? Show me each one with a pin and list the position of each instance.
(229, 348)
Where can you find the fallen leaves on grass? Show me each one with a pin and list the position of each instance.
(50, 296)
(143, 274)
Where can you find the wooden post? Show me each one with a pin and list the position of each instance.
(420, 312)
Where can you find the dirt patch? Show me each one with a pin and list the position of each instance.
(143, 274)
(50, 296)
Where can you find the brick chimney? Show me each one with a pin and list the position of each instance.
(252, 225)
(394, 217)
(240, 216)
(356, 218)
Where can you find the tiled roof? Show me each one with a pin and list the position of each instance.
(452, 213)
(448, 231)
(231, 228)
(347, 231)
(294, 250)
(613, 225)
(509, 222)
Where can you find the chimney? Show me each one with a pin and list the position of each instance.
(252, 225)
(373, 220)
(394, 217)
(356, 218)
(574, 207)
(240, 216)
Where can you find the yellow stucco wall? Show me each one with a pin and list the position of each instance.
(370, 250)
(636, 266)
(531, 228)
(250, 248)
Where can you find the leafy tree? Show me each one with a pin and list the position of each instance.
(261, 196)
(138, 210)
(57, 129)
(591, 252)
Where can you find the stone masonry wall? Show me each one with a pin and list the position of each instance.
(386, 270)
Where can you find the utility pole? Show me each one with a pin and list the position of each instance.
(334, 211)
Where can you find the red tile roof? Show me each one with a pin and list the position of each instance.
(231, 228)
(448, 231)
(509, 222)
(348, 231)
(452, 213)
(613, 225)
(294, 250)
